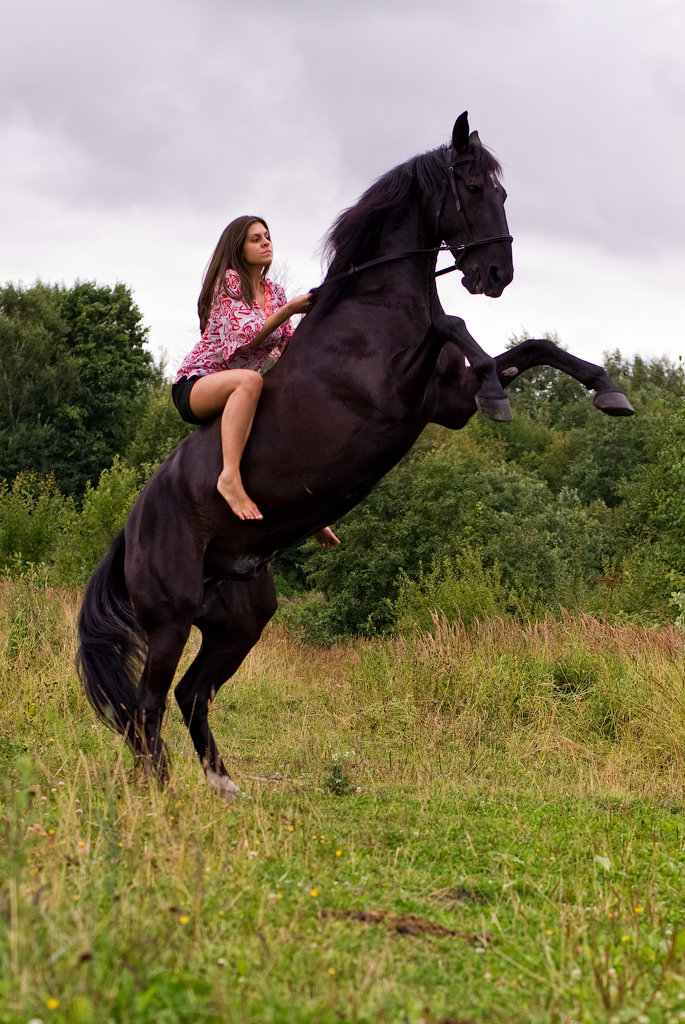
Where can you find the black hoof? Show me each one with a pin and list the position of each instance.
(495, 408)
(613, 403)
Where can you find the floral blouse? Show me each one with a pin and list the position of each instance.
(232, 324)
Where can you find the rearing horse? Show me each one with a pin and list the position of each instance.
(373, 362)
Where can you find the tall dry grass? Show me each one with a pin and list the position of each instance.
(459, 754)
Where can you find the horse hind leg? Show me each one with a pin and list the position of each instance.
(165, 594)
(231, 621)
(165, 646)
(126, 627)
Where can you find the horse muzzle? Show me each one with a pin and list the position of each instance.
(489, 279)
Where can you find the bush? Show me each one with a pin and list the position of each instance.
(534, 549)
(33, 517)
(459, 589)
(309, 618)
(652, 525)
(104, 512)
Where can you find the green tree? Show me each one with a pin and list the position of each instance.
(31, 329)
(660, 378)
(75, 377)
(158, 429)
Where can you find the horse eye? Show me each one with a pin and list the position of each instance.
(474, 189)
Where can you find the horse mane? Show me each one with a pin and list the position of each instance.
(352, 237)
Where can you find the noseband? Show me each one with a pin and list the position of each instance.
(460, 249)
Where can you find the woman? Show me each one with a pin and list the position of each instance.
(245, 324)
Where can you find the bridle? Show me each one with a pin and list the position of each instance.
(470, 242)
(461, 250)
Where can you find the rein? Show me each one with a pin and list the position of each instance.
(461, 250)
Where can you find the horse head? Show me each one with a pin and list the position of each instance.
(470, 216)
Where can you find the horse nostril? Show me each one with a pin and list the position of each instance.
(495, 275)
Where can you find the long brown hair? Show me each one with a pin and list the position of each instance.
(228, 255)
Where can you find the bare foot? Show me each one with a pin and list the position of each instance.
(326, 538)
(231, 490)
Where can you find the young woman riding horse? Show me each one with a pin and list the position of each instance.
(373, 362)
(245, 321)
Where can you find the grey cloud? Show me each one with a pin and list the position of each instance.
(210, 104)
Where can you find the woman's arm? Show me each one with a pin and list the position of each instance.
(300, 304)
(240, 328)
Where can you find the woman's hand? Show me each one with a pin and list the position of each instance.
(300, 304)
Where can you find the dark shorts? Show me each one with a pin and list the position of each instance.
(180, 394)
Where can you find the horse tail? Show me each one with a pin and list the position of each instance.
(112, 645)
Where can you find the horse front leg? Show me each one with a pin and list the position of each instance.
(490, 397)
(231, 621)
(541, 352)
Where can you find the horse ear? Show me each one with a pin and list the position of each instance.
(460, 133)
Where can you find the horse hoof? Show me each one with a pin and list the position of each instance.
(613, 403)
(224, 786)
(495, 408)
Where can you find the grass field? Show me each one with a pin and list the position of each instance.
(482, 825)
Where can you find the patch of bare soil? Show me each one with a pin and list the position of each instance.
(404, 924)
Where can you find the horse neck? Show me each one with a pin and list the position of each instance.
(403, 231)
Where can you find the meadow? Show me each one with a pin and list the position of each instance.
(455, 826)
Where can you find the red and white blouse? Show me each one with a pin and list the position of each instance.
(232, 324)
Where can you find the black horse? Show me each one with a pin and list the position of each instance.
(373, 362)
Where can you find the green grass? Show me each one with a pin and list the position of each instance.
(480, 825)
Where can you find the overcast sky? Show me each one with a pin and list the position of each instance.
(132, 132)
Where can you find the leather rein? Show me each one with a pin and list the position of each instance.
(461, 249)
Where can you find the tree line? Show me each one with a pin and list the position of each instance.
(562, 508)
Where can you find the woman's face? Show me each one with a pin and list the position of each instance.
(257, 248)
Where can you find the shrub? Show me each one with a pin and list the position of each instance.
(311, 619)
(33, 516)
(459, 587)
(535, 549)
(104, 511)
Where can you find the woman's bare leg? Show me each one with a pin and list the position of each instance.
(234, 394)
(236, 424)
